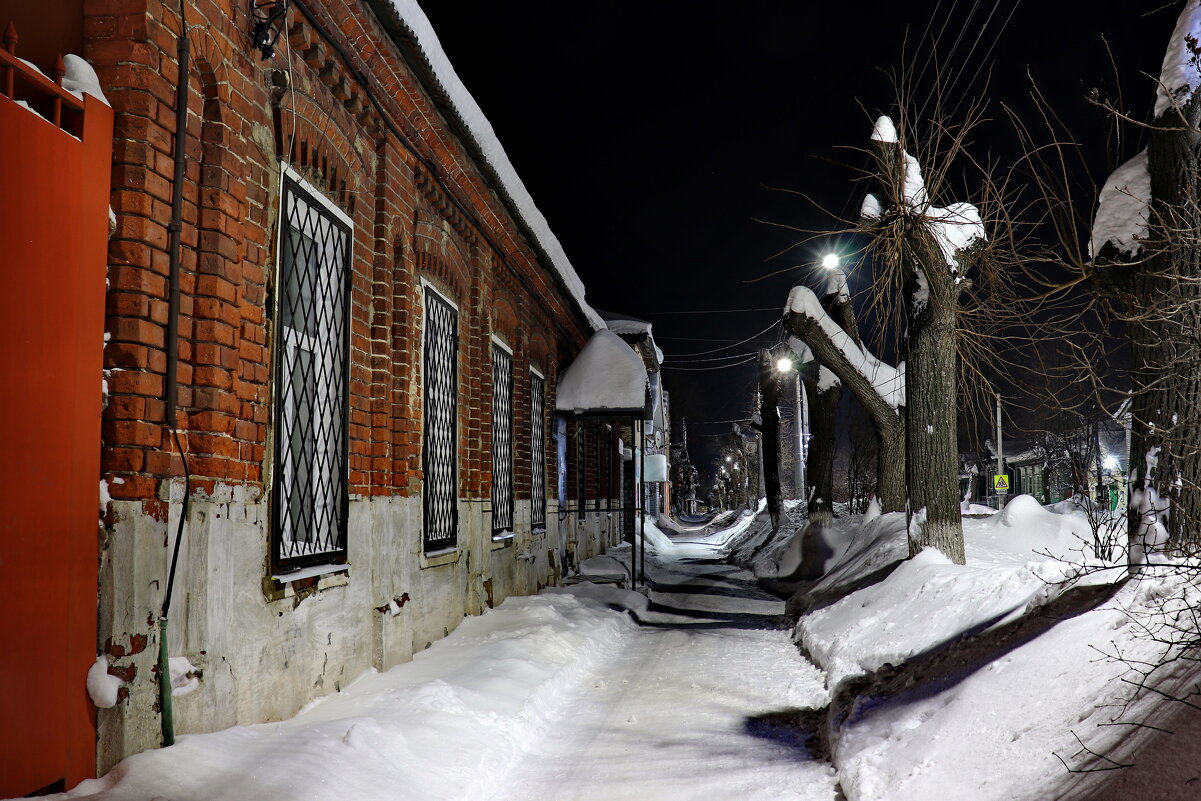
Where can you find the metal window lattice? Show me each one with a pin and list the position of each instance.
(502, 440)
(440, 451)
(537, 453)
(580, 471)
(309, 498)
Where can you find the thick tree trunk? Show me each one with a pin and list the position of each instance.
(769, 389)
(1164, 316)
(819, 467)
(888, 422)
(890, 467)
(932, 457)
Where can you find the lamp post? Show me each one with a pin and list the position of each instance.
(785, 365)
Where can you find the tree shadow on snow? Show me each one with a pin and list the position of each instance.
(945, 665)
(700, 619)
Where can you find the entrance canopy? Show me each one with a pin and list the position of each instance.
(606, 378)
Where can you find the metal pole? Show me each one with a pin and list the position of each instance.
(642, 501)
(1000, 449)
(799, 467)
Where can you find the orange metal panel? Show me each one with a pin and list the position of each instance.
(53, 226)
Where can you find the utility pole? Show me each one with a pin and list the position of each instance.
(1000, 454)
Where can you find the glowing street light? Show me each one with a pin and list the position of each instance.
(1110, 463)
(830, 261)
(783, 364)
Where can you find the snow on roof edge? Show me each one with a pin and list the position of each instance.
(413, 21)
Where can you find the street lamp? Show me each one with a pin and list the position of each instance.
(783, 364)
(830, 261)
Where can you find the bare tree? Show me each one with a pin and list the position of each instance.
(828, 330)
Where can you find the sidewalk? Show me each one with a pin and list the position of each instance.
(588, 691)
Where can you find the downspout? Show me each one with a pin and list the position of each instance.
(171, 387)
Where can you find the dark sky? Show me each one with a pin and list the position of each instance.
(656, 136)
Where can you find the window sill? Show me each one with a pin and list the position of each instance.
(304, 581)
(504, 540)
(446, 556)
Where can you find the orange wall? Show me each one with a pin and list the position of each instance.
(53, 241)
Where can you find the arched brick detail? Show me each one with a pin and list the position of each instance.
(538, 350)
(313, 142)
(505, 322)
(208, 60)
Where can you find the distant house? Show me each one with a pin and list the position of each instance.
(352, 354)
(657, 443)
(1089, 459)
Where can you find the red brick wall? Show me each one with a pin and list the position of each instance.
(403, 196)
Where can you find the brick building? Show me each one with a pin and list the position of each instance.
(371, 319)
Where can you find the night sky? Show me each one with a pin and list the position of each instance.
(672, 145)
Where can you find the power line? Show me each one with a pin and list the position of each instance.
(715, 367)
(718, 311)
(713, 359)
(727, 347)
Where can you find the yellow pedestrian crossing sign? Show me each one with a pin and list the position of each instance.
(1000, 483)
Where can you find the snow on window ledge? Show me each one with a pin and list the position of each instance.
(318, 577)
(502, 540)
(439, 558)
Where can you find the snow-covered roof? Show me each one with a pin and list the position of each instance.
(631, 326)
(407, 24)
(607, 376)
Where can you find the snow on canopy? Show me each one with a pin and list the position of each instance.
(955, 227)
(607, 376)
(479, 130)
(888, 381)
(1181, 73)
(1125, 202)
(631, 326)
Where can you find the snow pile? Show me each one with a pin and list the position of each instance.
(184, 675)
(955, 228)
(483, 693)
(480, 130)
(1125, 205)
(606, 375)
(1181, 73)
(836, 284)
(102, 687)
(955, 683)
(80, 79)
(887, 380)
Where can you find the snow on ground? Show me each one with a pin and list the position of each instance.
(584, 692)
(972, 681)
(941, 681)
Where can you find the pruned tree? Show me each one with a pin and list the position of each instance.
(827, 329)
(925, 251)
(1146, 241)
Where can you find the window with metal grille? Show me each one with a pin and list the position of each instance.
(502, 440)
(581, 469)
(440, 389)
(309, 492)
(537, 452)
(598, 480)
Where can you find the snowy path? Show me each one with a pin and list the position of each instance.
(585, 692)
(679, 711)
